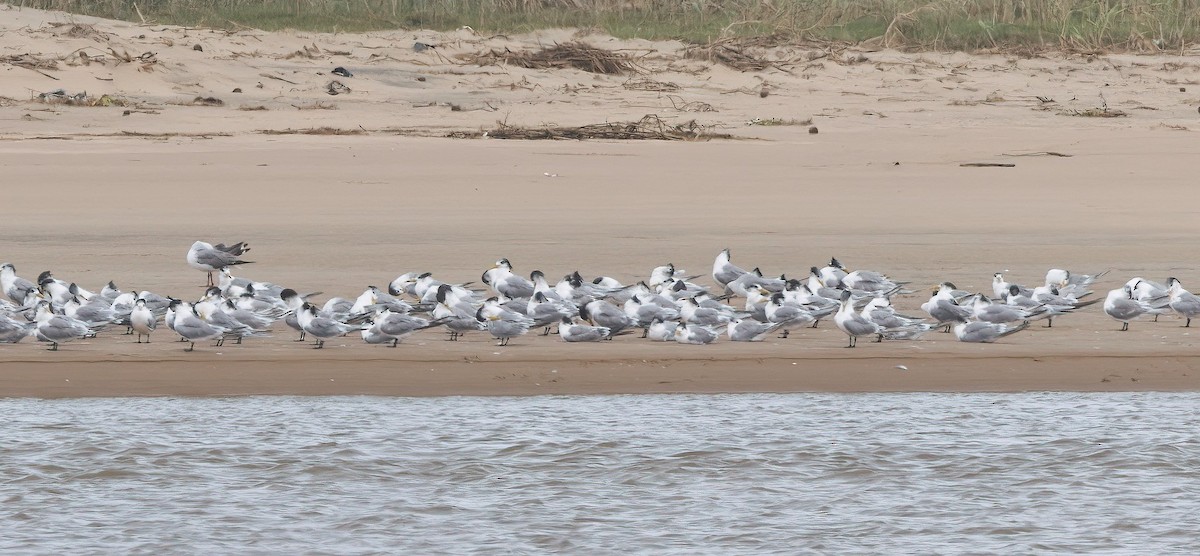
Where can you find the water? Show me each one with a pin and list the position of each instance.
(787, 474)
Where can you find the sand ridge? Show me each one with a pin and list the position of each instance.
(101, 196)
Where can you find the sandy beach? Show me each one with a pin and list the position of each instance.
(118, 192)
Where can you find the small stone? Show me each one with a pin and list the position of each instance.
(421, 79)
(237, 90)
(198, 48)
(812, 130)
(763, 92)
(1183, 89)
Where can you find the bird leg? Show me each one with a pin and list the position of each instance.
(1049, 322)
(1124, 326)
(53, 346)
(785, 333)
(320, 344)
(192, 348)
(394, 342)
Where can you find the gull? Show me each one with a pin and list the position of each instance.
(386, 326)
(569, 331)
(644, 313)
(896, 326)
(504, 282)
(142, 320)
(943, 307)
(206, 257)
(724, 271)
(662, 330)
(831, 275)
(695, 334)
(1183, 301)
(750, 330)
(319, 326)
(984, 310)
(190, 326)
(792, 315)
(1058, 304)
(95, 315)
(502, 323)
(57, 290)
(1121, 306)
(15, 287)
(691, 312)
(620, 293)
(853, 323)
(545, 311)
(871, 282)
(456, 315)
(605, 314)
(1001, 288)
(754, 279)
(1151, 293)
(256, 321)
(13, 331)
(985, 332)
(1063, 278)
(57, 328)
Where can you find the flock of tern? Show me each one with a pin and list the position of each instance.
(743, 306)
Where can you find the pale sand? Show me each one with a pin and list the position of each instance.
(338, 213)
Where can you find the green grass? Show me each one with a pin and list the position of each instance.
(942, 24)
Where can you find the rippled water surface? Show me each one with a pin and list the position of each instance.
(797, 473)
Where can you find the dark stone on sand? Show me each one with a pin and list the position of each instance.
(812, 130)
(237, 90)
(420, 79)
(198, 48)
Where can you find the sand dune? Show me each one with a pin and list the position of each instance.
(96, 194)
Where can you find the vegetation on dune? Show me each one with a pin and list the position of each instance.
(1142, 25)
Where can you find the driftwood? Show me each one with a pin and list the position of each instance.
(650, 127)
(569, 55)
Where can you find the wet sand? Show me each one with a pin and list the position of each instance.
(880, 187)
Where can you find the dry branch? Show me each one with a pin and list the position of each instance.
(569, 55)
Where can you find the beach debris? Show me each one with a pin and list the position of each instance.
(77, 31)
(650, 127)
(642, 84)
(343, 72)
(778, 122)
(30, 61)
(576, 55)
(324, 130)
(336, 88)
(237, 89)
(422, 46)
(198, 48)
(812, 130)
(733, 53)
(207, 101)
(1102, 112)
(988, 165)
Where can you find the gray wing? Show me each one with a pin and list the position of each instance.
(580, 333)
(193, 328)
(323, 327)
(858, 326)
(1125, 309)
(215, 259)
(1187, 304)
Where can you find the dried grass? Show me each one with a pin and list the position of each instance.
(649, 128)
(575, 55)
(313, 131)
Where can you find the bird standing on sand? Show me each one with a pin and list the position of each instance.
(985, 332)
(321, 327)
(57, 329)
(142, 320)
(1121, 306)
(209, 258)
(502, 323)
(15, 287)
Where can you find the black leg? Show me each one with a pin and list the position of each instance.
(192, 348)
(395, 341)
